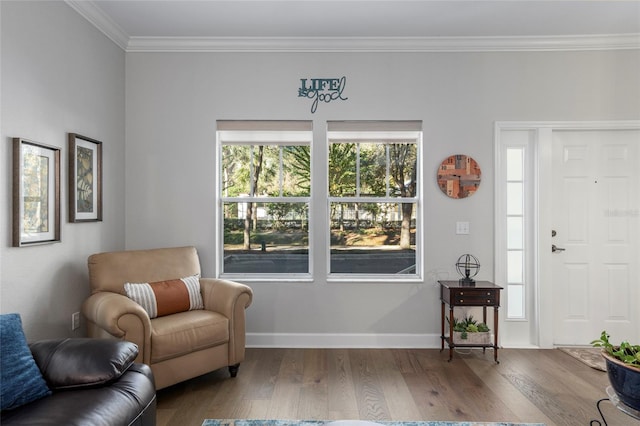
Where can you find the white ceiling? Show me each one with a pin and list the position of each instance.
(329, 24)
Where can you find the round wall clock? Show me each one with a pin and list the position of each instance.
(459, 176)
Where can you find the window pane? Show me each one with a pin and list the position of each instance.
(402, 158)
(514, 267)
(373, 169)
(342, 169)
(297, 171)
(515, 302)
(276, 171)
(235, 170)
(514, 164)
(373, 238)
(514, 233)
(278, 238)
(267, 166)
(514, 198)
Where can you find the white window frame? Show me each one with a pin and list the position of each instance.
(523, 283)
(254, 132)
(523, 139)
(384, 132)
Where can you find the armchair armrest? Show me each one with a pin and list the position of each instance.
(223, 295)
(118, 316)
(229, 298)
(80, 362)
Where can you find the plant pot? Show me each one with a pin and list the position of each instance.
(625, 380)
(473, 338)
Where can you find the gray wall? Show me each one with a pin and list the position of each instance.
(174, 100)
(59, 75)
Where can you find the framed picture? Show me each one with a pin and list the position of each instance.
(85, 179)
(36, 193)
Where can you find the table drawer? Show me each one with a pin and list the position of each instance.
(473, 297)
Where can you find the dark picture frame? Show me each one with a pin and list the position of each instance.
(36, 193)
(85, 179)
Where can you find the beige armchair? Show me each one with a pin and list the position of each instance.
(178, 346)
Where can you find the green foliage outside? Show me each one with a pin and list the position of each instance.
(355, 169)
(293, 238)
(300, 238)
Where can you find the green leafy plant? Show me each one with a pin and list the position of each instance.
(625, 352)
(468, 325)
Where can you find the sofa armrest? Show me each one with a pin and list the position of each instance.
(115, 315)
(81, 362)
(230, 299)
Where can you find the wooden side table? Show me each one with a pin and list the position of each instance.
(483, 294)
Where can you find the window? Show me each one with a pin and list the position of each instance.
(517, 235)
(515, 232)
(374, 189)
(264, 190)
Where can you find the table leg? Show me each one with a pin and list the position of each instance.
(484, 320)
(450, 333)
(495, 335)
(442, 327)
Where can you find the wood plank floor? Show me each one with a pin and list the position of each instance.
(529, 385)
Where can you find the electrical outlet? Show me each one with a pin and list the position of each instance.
(75, 321)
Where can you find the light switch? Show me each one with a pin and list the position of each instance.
(462, 228)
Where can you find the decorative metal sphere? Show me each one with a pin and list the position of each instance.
(468, 265)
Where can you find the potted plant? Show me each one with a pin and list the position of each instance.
(471, 332)
(623, 369)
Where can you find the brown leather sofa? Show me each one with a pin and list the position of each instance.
(92, 382)
(178, 346)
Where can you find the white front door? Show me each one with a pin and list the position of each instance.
(595, 196)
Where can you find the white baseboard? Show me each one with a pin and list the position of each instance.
(322, 340)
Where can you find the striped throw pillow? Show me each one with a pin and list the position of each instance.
(167, 297)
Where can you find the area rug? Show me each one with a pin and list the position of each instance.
(238, 422)
(590, 356)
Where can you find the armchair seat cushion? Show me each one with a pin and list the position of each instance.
(185, 332)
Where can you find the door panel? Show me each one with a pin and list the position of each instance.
(595, 200)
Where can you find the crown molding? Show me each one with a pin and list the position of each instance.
(100, 20)
(383, 44)
(112, 30)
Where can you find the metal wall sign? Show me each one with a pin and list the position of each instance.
(322, 90)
